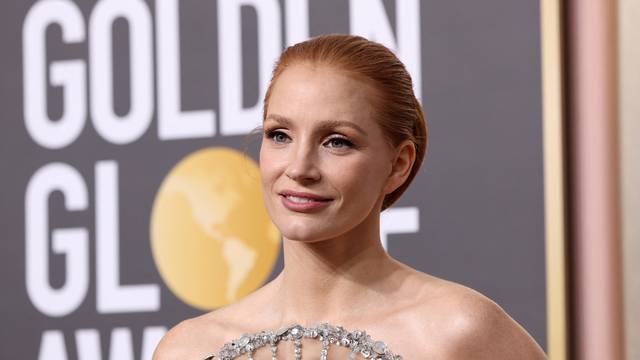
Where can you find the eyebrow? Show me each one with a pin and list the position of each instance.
(324, 125)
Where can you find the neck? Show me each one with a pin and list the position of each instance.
(335, 279)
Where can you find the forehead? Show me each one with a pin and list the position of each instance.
(312, 92)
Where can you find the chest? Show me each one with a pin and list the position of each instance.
(314, 349)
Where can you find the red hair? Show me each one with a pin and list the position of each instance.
(400, 114)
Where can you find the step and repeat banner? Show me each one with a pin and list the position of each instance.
(130, 191)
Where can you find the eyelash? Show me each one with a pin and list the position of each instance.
(271, 134)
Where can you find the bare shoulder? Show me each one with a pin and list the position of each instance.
(202, 336)
(194, 339)
(468, 325)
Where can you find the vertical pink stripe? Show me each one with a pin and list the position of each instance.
(594, 179)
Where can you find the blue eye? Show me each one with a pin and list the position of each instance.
(339, 142)
(277, 136)
(280, 137)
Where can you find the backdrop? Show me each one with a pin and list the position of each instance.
(127, 203)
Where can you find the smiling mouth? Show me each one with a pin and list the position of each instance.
(301, 204)
(303, 200)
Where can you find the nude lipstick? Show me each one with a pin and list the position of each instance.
(303, 202)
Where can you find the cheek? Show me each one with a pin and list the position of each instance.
(267, 178)
(272, 165)
(266, 168)
(362, 178)
(268, 161)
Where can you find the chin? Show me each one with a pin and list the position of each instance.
(307, 231)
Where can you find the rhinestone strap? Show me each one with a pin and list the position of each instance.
(358, 341)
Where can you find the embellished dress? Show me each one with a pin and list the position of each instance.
(360, 344)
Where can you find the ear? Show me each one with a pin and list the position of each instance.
(402, 163)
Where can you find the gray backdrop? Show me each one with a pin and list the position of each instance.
(479, 193)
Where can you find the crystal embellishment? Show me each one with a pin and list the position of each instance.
(359, 342)
(379, 347)
(244, 340)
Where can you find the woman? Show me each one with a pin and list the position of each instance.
(343, 137)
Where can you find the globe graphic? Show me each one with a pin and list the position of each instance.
(211, 237)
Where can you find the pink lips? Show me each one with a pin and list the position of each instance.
(317, 202)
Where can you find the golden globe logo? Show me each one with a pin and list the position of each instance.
(211, 237)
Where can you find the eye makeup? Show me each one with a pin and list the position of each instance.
(280, 137)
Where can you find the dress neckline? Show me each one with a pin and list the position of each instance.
(358, 341)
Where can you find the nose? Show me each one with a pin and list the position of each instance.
(302, 165)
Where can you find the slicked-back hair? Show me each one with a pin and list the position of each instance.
(399, 113)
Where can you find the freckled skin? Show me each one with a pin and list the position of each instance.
(335, 268)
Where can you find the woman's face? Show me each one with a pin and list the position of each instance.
(321, 138)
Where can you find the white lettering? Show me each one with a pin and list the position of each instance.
(404, 220)
(121, 345)
(72, 242)
(128, 128)
(52, 346)
(111, 296)
(150, 339)
(235, 119)
(88, 344)
(69, 74)
(172, 122)
(297, 21)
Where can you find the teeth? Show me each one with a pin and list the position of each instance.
(299, 199)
